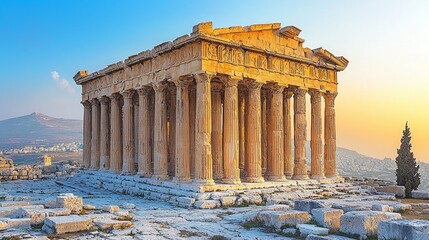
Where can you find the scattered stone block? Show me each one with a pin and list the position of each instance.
(350, 208)
(123, 215)
(307, 205)
(227, 201)
(88, 207)
(111, 208)
(328, 217)
(207, 204)
(13, 203)
(66, 224)
(399, 229)
(381, 208)
(363, 223)
(402, 207)
(277, 219)
(329, 237)
(307, 229)
(20, 223)
(109, 224)
(420, 194)
(129, 206)
(70, 201)
(6, 212)
(185, 201)
(399, 191)
(289, 231)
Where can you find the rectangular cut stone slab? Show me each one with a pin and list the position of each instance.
(68, 200)
(399, 191)
(104, 224)
(381, 208)
(277, 219)
(66, 224)
(207, 204)
(14, 203)
(363, 223)
(307, 229)
(328, 217)
(420, 194)
(403, 229)
(307, 205)
(21, 223)
(111, 208)
(329, 237)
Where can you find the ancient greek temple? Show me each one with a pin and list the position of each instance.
(218, 106)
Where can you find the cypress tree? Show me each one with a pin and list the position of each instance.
(407, 172)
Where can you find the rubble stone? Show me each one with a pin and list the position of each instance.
(328, 217)
(111, 208)
(363, 223)
(307, 205)
(277, 219)
(307, 229)
(69, 201)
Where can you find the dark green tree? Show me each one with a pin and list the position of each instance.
(407, 172)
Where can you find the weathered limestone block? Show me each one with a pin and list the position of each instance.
(109, 224)
(363, 223)
(381, 208)
(307, 205)
(88, 207)
(6, 212)
(400, 207)
(328, 217)
(13, 203)
(69, 201)
(129, 206)
(277, 219)
(66, 224)
(111, 208)
(400, 229)
(307, 229)
(399, 191)
(350, 208)
(122, 215)
(21, 223)
(420, 194)
(330, 237)
(185, 201)
(207, 204)
(227, 201)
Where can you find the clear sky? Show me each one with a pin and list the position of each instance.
(44, 43)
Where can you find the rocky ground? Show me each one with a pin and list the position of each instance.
(38, 209)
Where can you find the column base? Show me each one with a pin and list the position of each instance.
(145, 175)
(218, 176)
(181, 180)
(331, 175)
(277, 178)
(317, 176)
(300, 177)
(205, 182)
(288, 175)
(254, 179)
(231, 181)
(160, 177)
(127, 172)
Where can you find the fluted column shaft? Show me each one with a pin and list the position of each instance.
(275, 135)
(231, 170)
(160, 132)
(128, 133)
(264, 129)
(95, 138)
(182, 154)
(316, 135)
(87, 132)
(172, 131)
(330, 136)
(242, 129)
(217, 130)
(105, 134)
(144, 147)
(287, 125)
(192, 116)
(253, 141)
(300, 134)
(203, 125)
(115, 133)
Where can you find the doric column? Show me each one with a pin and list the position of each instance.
(275, 135)
(316, 135)
(115, 133)
(264, 129)
(128, 133)
(217, 130)
(253, 141)
(95, 140)
(144, 149)
(172, 130)
(330, 136)
(87, 132)
(182, 168)
(160, 132)
(287, 125)
(300, 135)
(203, 125)
(231, 170)
(105, 134)
(242, 129)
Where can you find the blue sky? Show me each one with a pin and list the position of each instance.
(385, 42)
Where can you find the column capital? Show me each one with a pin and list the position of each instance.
(104, 100)
(230, 81)
(330, 95)
(115, 97)
(216, 86)
(275, 88)
(202, 77)
(144, 90)
(160, 86)
(316, 95)
(182, 82)
(86, 104)
(300, 91)
(288, 93)
(94, 101)
(253, 84)
(128, 94)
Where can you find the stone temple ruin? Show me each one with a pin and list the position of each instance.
(214, 108)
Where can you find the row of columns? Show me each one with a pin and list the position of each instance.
(213, 132)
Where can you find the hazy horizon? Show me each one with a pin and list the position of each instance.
(45, 43)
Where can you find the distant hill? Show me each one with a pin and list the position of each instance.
(38, 129)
